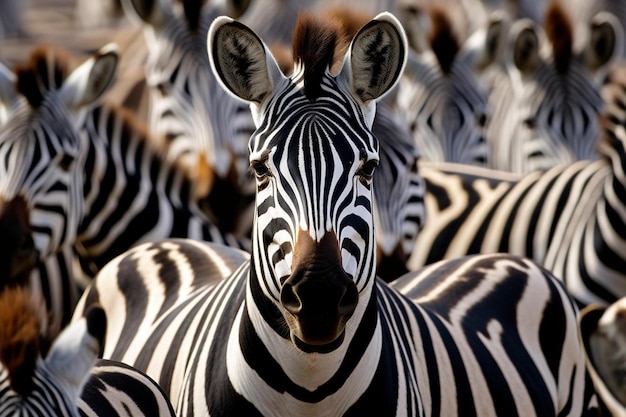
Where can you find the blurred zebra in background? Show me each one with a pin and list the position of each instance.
(82, 182)
(308, 298)
(63, 377)
(545, 95)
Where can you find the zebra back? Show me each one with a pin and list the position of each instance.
(62, 377)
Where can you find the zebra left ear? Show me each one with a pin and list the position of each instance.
(240, 60)
(88, 83)
(606, 41)
(376, 58)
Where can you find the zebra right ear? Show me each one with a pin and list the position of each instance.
(524, 46)
(91, 80)
(240, 60)
(376, 58)
(606, 41)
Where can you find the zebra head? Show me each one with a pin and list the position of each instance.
(35, 381)
(209, 128)
(314, 157)
(546, 99)
(441, 99)
(41, 178)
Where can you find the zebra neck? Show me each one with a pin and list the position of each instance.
(269, 371)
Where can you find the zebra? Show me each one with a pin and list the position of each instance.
(441, 99)
(81, 182)
(65, 378)
(545, 95)
(604, 338)
(304, 327)
(207, 129)
(568, 218)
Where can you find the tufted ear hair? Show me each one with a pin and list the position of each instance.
(91, 80)
(241, 61)
(74, 352)
(524, 46)
(376, 58)
(605, 43)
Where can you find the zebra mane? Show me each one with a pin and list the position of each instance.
(559, 30)
(314, 44)
(443, 41)
(20, 338)
(45, 71)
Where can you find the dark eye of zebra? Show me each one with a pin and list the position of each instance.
(260, 169)
(366, 171)
(530, 123)
(66, 162)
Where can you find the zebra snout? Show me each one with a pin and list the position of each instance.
(18, 254)
(319, 303)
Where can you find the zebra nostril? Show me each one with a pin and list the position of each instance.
(290, 300)
(348, 302)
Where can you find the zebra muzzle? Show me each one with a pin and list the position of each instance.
(318, 297)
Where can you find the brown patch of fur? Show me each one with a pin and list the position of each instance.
(314, 44)
(443, 40)
(20, 339)
(559, 30)
(46, 70)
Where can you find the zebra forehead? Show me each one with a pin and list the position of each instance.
(20, 338)
(45, 71)
(315, 42)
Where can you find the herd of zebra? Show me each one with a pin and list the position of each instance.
(311, 209)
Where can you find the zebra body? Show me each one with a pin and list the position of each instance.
(565, 218)
(68, 380)
(304, 327)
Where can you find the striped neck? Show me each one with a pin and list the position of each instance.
(269, 370)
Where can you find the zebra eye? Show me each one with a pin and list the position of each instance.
(260, 169)
(530, 122)
(366, 171)
(66, 162)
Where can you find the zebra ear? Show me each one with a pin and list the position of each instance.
(603, 340)
(240, 60)
(88, 83)
(606, 41)
(75, 351)
(151, 12)
(486, 46)
(376, 58)
(524, 46)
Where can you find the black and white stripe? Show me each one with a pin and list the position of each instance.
(304, 327)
